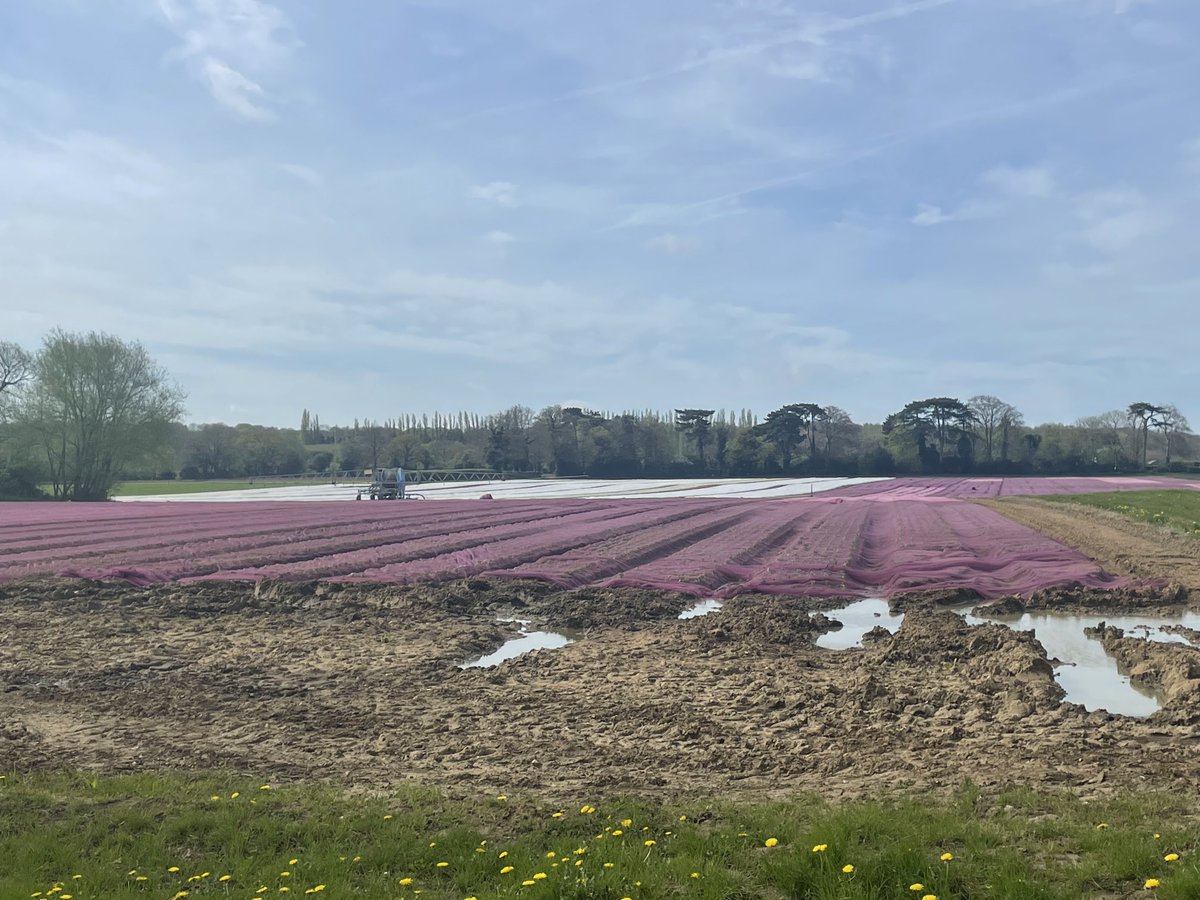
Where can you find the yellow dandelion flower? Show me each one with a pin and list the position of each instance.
(173, 869)
(285, 890)
(771, 842)
(695, 874)
(557, 815)
(204, 874)
(683, 818)
(929, 897)
(131, 872)
(1157, 835)
(617, 832)
(264, 787)
(608, 865)
(917, 887)
(625, 823)
(946, 857)
(579, 862)
(443, 865)
(388, 817)
(503, 854)
(235, 795)
(285, 874)
(141, 878)
(66, 896)
(1171, 857)
(215, 797)
(1151, 884)
(506, 870)
(528, 883)
(405, 881)
(649, 843)
(848, 868)
(820, 848)
(539, 876)
(225, 878)
(356, 859)
(292, 862)
(551, 855)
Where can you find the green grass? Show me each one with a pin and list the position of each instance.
(120, 838)
(1173, 509)
(146, 488)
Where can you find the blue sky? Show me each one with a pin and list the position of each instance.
(382, 207)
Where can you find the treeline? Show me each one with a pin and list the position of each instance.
(941, 435)
(87, 410)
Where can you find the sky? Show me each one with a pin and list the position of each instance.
(385, 207)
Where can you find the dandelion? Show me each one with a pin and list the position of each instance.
(1157, 835)
(608, 865)
(285, 874)
(695, 874)
(946, 857)
(848, 869)
(292, 862)
(503, 854)
(557, 815)
(539, 876)
(917, 887)
(215, 797)
(173, 869)
(264, 787)
(501, 798)
(1171, 857)
(1101, 826)
(683, 818)
(225, 878)
(617, 832)
(820, 848)
(235, 795)
(141, 878)
(1151, 884)
(405, 882)
(625, 823)
(929, 897)
(388, 817)
(528, 883)
(506, 870)
(650, 843)
(356, 859)
(551, 855)
(771, 842)
(443, 865)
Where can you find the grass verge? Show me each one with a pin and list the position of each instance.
(75, 837)
(1174, 509)
(150, 488)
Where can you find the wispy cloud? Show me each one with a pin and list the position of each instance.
(811, 34)
(1028, 181)
(308, 175)
(234, 91)
(499, 237)
(1117, 218)
(502, 193)
(928, 215)
(221, 40)
(671, 243)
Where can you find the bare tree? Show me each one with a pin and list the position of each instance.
(1171, 422)
(15, 366)
(995, 419)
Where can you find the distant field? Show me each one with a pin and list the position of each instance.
(157, 488)
(1173, 509)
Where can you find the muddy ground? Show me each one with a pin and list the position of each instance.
(1121, 545)
(363, 684)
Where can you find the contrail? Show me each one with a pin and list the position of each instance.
(811, 34)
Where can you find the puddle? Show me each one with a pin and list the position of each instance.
(526, 642)
(1091, 677)
(857, 619)
(703, 608)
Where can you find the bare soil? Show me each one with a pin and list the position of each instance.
(362, 684)
(1121, 545)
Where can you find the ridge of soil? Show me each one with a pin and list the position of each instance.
(1121, 545)
(362, 683)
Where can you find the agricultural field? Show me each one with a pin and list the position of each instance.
(1179, 510)
(181, 657)
(830, 545)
